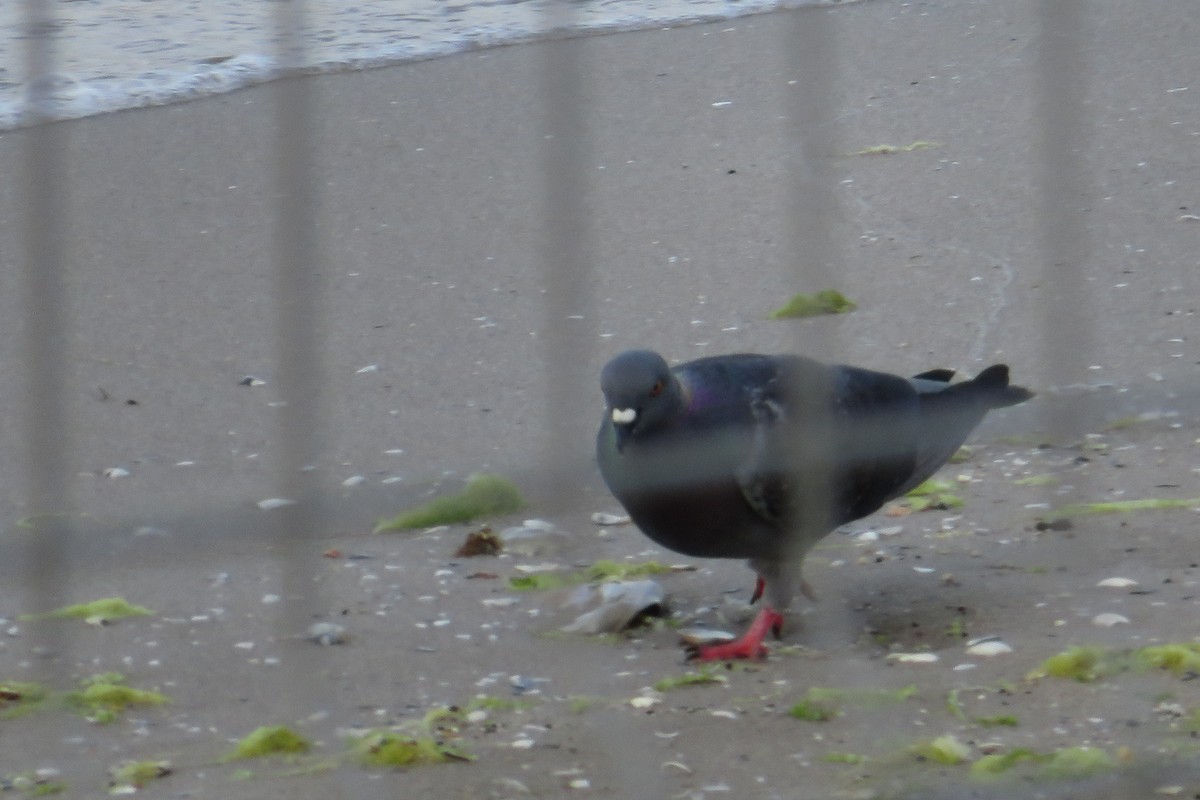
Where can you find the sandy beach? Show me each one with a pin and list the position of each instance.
(431, 195)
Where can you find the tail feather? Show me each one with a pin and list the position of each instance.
(992, 387)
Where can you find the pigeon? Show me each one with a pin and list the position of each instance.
(759, 457)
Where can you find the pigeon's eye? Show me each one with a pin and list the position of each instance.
(656, 389)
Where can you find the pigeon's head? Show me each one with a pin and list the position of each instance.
(640, 392)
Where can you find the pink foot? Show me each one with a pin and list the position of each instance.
(750, 646)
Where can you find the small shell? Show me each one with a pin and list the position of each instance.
(645, 701)
(697, 637)
(354, 480)
(115, 472)
(367, 368)
(1118, 583)
(1108, 619)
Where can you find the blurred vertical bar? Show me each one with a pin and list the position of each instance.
(568, 330)
(299, 323)
(1063, 194)
(809, 44)
(46, 337)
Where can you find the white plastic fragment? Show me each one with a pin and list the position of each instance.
(604, 518)
(988, 648)
(914, 658)
(1108, 619)
(1118, 583)
(272, 503)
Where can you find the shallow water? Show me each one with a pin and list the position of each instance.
(112, 55)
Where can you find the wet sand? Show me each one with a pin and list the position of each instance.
(431, 194)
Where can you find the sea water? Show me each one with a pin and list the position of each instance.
(115, 54)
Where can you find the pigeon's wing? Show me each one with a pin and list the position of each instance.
(829, 444)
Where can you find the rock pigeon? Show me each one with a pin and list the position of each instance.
(760, 457)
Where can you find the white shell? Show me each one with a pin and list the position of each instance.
(1108, 619)
(603, 518)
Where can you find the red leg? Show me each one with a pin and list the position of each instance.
(750, 646)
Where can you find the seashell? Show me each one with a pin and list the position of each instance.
(604, 518)
(914, 658)
(1108, 619)
(989, 647)
(698, 637)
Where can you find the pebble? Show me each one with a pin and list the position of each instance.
(914, 658)
(604, 518)
(272, 503)
(988, 647)
(1108, 619)
(115, 472)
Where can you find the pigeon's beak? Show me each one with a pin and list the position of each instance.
(623, 419)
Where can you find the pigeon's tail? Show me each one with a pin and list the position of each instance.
(950, 411)
(991, 387)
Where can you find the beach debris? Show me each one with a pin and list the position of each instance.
(1108, 619)
(605, 518)
(390, 748)
(268, 740)
(272, 503)
(251, 380)
(97, 612)
(613, 606)
(1118, 583)
(892, 149)
(826, 301)
(483, 542)
(327, 633)
(127, 777)
(484, 494)
(354, 480)
(18, 697)
(822, 704)
(366, 369)
(533, 537)
(115, 472)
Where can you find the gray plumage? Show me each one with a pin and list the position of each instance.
(760, 457)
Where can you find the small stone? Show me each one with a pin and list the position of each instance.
(354, 480)
(1108, 619)
(115, 472)
(698, 637)
(1118, 583)
(272, 503)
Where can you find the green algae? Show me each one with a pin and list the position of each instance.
(485, 494)
(268, 740)
(97, 612)
(827, 301)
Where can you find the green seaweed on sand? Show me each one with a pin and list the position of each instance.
(18, 698)
(1122, 507)
(97, 612)
(932, 494)
(827, 301)
(129, 776)
(269, 740)
(105, 696)
(945, 749)
(701, 678)
(386, 748)
(485, 494)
